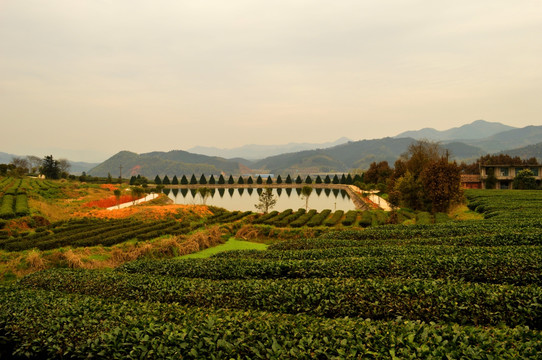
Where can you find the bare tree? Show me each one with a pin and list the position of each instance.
(266, 201)
(34, 163)
(64, 166)
(21, 166)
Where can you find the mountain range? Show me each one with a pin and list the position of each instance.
(465, 143)
(255, 152)
(478, 129)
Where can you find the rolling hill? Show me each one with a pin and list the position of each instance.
(176, 162)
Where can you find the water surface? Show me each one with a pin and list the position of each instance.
(245, 199)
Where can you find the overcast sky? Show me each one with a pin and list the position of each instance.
(85, 79)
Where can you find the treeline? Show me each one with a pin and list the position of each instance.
(346, 179)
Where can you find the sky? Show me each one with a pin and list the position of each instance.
(88, 78)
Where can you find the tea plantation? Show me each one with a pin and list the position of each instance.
(469, 289)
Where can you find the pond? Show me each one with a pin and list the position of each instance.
(244, 199)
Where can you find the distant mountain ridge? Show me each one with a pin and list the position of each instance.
(527, 152)
(175, 162)
(511, 139)
(345, 156)
(255, 152)
(478, 129)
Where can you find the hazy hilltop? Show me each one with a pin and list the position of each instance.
(511, 139)
(478, 129)
(527, 152)
(255, 152)
(163, 163)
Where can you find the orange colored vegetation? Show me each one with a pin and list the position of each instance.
(109, 187)
(110, 201)
(155, 212)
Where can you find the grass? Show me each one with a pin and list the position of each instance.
(231, 244)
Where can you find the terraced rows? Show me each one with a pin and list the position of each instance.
(454, 290)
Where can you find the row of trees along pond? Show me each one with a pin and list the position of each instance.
(343, 179)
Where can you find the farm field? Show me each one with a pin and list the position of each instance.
(329, 285)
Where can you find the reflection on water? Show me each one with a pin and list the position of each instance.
(245, 199)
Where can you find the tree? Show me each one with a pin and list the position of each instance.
(212, 180)
(269, 180)
(279, 180)
(184, 180)
(240, 180)
(308, 180)
(175, 180)
(110, 178)
(34, 163)
(288, 179)
(64, 166)
(6, 168)
(166, 180)
(249, 180)
(202, 179)
(221, 179)
(133, 180)
(408, 191)
(137, 192)
(266, 201)
(20, 166)
(193, 180)
(343, 179)
(357, 178)
(318, 179)
(157, 180)
(231, 180)
(259, 180)
(335, 179)
(298, 180)
(420, 153)
(423, 178)
(441, 183)
(117, 194)
(378, 173)
(306, 192)
(525, 180)
(327, 180)
(50, 168)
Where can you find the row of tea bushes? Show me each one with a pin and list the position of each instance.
(380, 299)
(92, 233)
(82, 327)
(516, 267)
